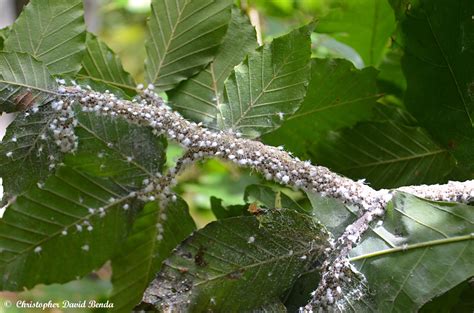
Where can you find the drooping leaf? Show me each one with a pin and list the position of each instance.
(24, 82)
(438, 62)
(184, 36)
(422, 250)
(62, 230)
(113, 147)
(28, 154)
(51, 31)
(338, 96)
(387, 154)
(238, 258)
(365, 25)
(155, 233)
(199, 98)
(270, 83)
(102, 65)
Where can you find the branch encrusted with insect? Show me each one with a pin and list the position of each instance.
(149, 110)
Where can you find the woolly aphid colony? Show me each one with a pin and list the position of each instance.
(148, 109)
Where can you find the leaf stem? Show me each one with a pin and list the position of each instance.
(413, 246)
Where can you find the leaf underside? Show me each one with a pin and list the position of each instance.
(244, 257)
(24, 82)
(422, 250)
(156, 232)
(100, 64)
(57, 232)
(51, 31)
(268, 85)
(184, 36)
(200, 97)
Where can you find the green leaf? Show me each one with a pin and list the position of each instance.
(275, 306)
(200, 97)
(332, 213)
(338, 96)
(156, 232)
(238, 258)
(422, 250)
(113, 147)
(267, 196)
(459, 299)
(4, 32)
(386, 153)
(27, 151)
(108, 147)
(102, 65)
(62, 230)
(365, 25)
(24, 82)
(438, 63)
(270, 83)
(184, 36)
(220, 211)
(53, 32)
(391, 79)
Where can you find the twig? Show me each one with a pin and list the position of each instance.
(273, 163)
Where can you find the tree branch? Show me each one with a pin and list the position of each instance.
(272, 162)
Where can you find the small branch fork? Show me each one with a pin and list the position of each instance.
(273, 163)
